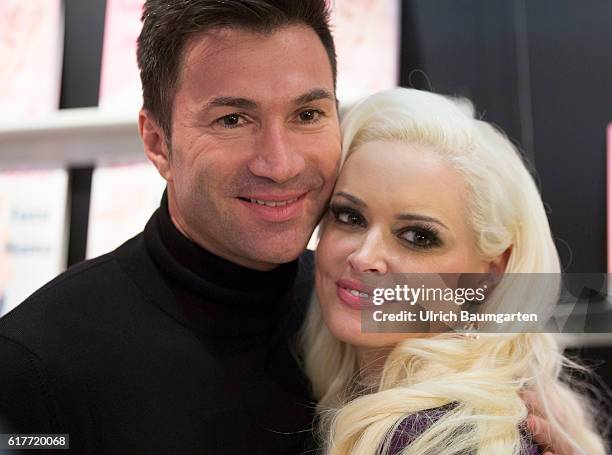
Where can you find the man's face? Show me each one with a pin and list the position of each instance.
(255, 143)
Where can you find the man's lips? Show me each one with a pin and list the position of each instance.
(274, 207)
(273, 200)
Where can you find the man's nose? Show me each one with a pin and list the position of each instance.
(277, 154)
(369, 256)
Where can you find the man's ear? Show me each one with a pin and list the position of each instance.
(154, 142)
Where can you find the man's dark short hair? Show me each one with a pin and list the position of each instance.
(168, 24)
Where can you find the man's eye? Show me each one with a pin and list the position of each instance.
(420, 238)
(231, 120)
(309, 116)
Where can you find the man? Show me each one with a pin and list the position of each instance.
(180, 340)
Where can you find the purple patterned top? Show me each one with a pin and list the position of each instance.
(415, 424)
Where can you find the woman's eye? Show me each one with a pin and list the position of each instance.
(420, 238)
(309, 116)
(231, 120)
(348, 217)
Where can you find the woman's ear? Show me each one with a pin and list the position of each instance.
(498, 265)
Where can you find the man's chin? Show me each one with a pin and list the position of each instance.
(278, 251)
(279, 257)
(269, 243)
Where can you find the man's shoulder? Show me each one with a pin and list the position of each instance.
(93, 275)
(89, 271)
(85, 290)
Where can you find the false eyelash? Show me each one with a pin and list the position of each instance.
(338, 210)
(429, 230)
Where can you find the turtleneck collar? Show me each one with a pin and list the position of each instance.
(211, 293)
(214, 269)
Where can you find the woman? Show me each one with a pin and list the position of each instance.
(427, 188)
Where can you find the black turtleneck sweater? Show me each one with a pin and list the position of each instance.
(160, 347)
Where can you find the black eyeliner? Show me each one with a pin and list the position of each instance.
(338, 210)
(426, 230)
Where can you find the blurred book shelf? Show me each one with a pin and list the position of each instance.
(34, 192)
(33, 202)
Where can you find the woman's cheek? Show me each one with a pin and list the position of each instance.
(336, 245)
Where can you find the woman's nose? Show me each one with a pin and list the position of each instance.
(369, 256)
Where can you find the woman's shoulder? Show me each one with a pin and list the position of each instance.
(415, 424)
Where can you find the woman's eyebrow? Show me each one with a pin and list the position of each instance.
(402, 216)
(354, 199)
(417, 217)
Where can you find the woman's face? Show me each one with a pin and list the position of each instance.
(396, 208)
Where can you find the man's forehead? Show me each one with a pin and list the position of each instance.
(288, 64)
(218, 40)
(220, 43)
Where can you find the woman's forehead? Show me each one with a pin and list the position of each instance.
(404, 177)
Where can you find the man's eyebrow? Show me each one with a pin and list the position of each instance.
(314, 95)
(417, 217)
(355, 200)
(231, 101)
(245, 103)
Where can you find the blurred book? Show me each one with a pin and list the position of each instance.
(366, 34)
(31, 44)
(32, 203)
(123, 197)
(120, 87)
(32, 232)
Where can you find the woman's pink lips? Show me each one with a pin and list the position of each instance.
(276, 214)
(343, 287)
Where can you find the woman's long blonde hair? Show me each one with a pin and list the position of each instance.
(479, 378)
